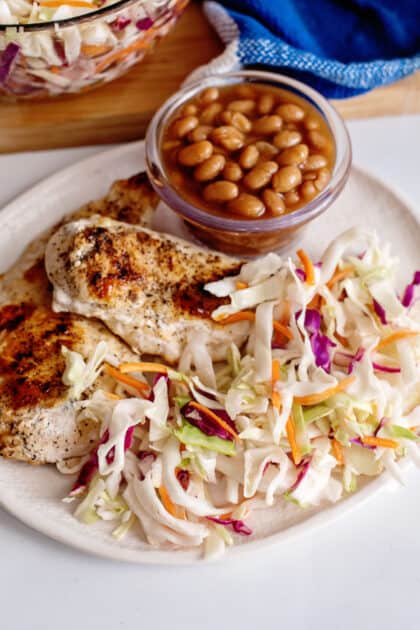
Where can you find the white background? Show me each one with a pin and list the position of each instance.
(360, 573)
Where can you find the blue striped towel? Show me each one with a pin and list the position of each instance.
(340, 48)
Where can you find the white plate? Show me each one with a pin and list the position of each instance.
(33, 494)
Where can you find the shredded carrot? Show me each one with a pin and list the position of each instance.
(337, 450)
(396, 336)
(291, 436)
(342, 340)
(279, 337)
(111, 396)
(70, 3)
(286, 312)
(279, 340)
(142, 388)
(215, 417)
(371, 440)
(170, 507)
(276, 399)
(316, 302)
(120, 54)
(413, 429)
(339, 274)
(275, 376)
(284, 330)
(140, 366)
(238, 317)
(275, 370)
(241, 285)
(371, 308)
(308, 266)
(314, 399)
(92, 50)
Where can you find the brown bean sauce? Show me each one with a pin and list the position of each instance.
(271, 143)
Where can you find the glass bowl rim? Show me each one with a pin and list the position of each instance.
(194, 214)
(78, 19)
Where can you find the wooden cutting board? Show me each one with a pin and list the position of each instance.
(121, 110)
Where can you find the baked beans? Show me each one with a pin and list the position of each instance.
(232, 172)
(248, 151)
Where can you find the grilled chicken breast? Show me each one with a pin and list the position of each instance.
(132, 200)
(37, 418)
(145, 286)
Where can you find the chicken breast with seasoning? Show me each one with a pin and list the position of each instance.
(147, 287)
(37, 416)
(132, 200)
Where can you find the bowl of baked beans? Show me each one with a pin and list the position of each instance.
(248, 159)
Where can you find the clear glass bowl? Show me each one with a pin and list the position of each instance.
(247, 237)
(73, 55)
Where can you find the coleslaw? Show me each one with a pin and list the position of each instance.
(70, 50)
(325, 390)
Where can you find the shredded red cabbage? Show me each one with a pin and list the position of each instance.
(267, 466)
(302, 470)
(120, 23)
(7, 59)
(355, 359)
(408, 297)
(359, 442)
(342, 358)
(321, 344)
(238, 526)
(242, 529)
(382, 423)
(146, 460)
(206, 394)
(277, 346)
(157, 378)
(88, 470)
(183, 477)
(345, 359)
(142, 455)
(127, 444)
(144, 24)
(59, 49)
(385, 368)
(206, 424)
(301, 274)
(223, 415)
(312, 320)
(380, 311)
(86, 474)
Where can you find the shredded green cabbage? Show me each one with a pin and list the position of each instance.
(306, 430)
(79, 375)
(191, 436)
(403, 432)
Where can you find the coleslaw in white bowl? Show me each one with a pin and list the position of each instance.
(326, 391)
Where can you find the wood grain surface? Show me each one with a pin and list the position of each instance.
(120, 111)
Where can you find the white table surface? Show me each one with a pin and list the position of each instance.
(360, 573)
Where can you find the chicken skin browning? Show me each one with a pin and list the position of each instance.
(147, 287)
(37, 417)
